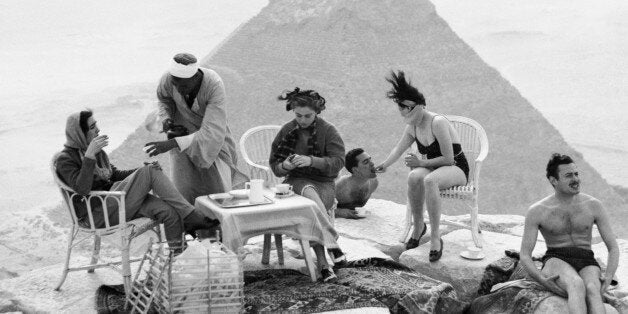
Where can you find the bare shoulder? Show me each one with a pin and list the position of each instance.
(441, 121)
(591, 203)
(342, 180)
(538, 209)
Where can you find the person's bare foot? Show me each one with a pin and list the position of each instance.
(347, 213)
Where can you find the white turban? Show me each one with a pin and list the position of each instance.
(183, 71)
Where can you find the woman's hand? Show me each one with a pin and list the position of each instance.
(287, 164)
(380, 168)
(413, 161)
(301, 161)
(96, 145)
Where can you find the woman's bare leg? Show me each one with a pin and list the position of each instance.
(441, 178)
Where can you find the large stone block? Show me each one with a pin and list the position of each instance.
(463, 274)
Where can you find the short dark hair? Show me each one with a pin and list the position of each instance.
(555, 161)
(351, 158)
(402, 89)
(303, 98)
(83, 117)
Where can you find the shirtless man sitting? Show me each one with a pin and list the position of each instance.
(354, 189)
(566, 220)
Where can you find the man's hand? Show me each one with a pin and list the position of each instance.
(606, 281)
(156, 148)
(347, 213)
(167, 125)
(96, 145)
(551, 285)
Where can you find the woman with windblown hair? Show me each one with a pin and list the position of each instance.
(309, 152)
(445, 166)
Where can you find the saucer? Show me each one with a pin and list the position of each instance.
(284, 195)
(239, 193)
(471, 256)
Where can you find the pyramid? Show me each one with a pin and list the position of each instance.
(343, 49)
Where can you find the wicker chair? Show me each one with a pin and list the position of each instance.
(255, 147)
(475, 147)
(125, 231)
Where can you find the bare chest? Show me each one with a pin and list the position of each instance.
(565, 221)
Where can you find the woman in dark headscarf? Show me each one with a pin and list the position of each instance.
(309, 152)
(85, 167)
(445, 166)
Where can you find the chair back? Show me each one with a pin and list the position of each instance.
(474, 144)
(69, 196)
(255, 146)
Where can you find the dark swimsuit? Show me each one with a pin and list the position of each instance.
(577, 257)
(433, 150)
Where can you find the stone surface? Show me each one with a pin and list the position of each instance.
(463, 274)
(558, 305)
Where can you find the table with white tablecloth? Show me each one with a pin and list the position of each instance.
(295, 216)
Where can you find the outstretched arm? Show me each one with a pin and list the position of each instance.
(404, 143)
(604, 226)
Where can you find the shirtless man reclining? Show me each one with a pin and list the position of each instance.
(355, 189)
(566, 220)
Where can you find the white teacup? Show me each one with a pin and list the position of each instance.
(283, 188)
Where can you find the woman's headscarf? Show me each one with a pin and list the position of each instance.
(75, 138)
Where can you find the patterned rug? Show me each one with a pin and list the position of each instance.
(371, 282)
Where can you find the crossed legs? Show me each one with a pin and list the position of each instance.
(424, 185)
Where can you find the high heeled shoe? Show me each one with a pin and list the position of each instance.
(412, 243)
(436, 254)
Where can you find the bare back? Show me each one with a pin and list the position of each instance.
(565, 225)
(351, 192)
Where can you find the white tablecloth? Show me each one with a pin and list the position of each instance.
(295, 216)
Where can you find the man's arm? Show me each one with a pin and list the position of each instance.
(530, 234)
(604, 227)
(166, 104)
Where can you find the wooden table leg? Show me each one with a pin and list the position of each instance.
(266, 251)
(279, 245)
(309, 262)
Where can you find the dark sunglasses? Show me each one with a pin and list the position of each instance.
(405, 107)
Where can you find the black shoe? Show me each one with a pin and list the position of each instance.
(196, 220)
(434, 254)
(412, 243)
(327, 275)
(338, 257)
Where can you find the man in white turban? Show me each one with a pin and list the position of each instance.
(204, 160)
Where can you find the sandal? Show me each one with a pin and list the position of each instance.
(434, 254)
(412, 243)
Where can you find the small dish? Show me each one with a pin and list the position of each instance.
(472, 255)
(284, 195)
(239, 193)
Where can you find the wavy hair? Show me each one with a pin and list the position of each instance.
(402, 89)
(303, 98)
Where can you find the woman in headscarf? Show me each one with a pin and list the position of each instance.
(85, 167)
(445, 166)
(309, 152)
